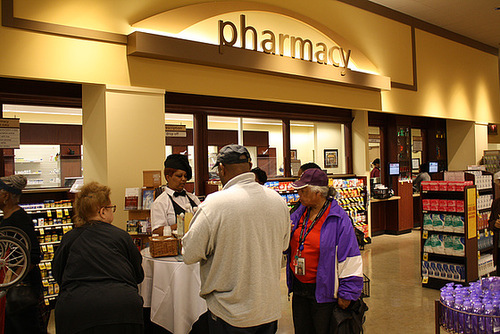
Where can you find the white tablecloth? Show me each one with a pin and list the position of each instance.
(171, 288)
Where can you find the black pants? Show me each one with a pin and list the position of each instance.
(218, 326)
(309, 316)
(115, 329)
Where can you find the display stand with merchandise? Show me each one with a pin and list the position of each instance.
(455, 240)
(51, 211)
(351, 196)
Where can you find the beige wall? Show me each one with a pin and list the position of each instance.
(466, 142)
(454, 81)
(120, 138)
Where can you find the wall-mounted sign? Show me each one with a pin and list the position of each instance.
(255, 41)
(175, 130)
(10, 133)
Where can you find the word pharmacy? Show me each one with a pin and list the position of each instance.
(319, 53)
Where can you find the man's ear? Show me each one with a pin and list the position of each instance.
(222, 170)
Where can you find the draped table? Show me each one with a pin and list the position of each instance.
(171, 289)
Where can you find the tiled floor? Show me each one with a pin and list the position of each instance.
(397, 302)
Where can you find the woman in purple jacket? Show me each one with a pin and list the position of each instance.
(324, 263)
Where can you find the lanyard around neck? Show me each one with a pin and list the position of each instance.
(306, 230)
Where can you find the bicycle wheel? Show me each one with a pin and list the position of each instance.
(14, 261)
(17, 233)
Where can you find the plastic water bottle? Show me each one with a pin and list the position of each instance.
(477, 324)
(449, 302)
(488, 322)
(458, 324)
(496, 311)
(467, 307)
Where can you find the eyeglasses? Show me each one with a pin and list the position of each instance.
(113, 207)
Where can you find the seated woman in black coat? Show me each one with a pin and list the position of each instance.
(98, 268)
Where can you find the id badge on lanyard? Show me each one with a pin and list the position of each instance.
(299, 262)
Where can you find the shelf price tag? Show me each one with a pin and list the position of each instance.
(42, 231)
(48, 265)
(426, 257)
(425, 234)
(49, 214)
(47, 302)
(66, 212)
(425, 279)
(486, 233)
(41, 266)
(44, 248)
(59, 213)
(50, 248)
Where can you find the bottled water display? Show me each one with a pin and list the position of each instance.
(473, 309)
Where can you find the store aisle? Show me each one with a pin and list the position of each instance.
(397, 302)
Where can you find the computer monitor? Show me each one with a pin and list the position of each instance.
(433, 167)
(393, 168)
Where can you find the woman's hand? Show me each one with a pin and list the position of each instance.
(343, 303)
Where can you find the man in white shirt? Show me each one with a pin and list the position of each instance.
(174, 200)
(238, 235)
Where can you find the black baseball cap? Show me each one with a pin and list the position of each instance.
(232, 154)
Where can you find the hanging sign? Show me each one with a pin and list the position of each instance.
(10, 133)
(175, 130)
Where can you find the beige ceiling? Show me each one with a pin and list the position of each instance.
(476, 19)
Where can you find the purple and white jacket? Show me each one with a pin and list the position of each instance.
(340, 267)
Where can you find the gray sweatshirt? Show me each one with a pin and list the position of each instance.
(238, 235)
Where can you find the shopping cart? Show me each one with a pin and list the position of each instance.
(366, 287)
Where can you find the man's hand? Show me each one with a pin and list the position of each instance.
(343, 303)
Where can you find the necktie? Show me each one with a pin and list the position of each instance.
(179, 193)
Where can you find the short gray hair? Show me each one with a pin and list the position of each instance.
(325, 191)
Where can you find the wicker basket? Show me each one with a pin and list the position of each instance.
(163, 246)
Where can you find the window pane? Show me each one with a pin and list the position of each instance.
(40, 164)
(319, 142)
(180, 142)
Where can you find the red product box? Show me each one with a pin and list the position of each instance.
(452, 206)
(425, 185)
(289, 186)
(452, 186)
(426, 204)
(443, 205)
(460, 206)
(443, 185)
(434, 186)
(434, 205)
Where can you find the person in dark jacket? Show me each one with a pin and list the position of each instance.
(324, 265)
(30, 319)
(98, 268)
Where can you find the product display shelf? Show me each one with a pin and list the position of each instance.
(351, 196)
(491, 160)
(447, 220)
(51, 212)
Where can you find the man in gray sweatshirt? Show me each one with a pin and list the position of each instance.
(238, 235)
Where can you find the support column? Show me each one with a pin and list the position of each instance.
(360, 158)
(466, 142)
(123, 135)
